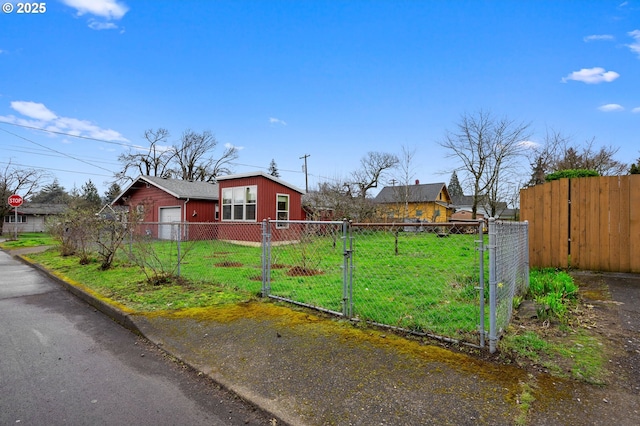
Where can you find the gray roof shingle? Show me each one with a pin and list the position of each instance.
(417, 193)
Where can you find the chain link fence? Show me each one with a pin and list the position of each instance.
(508, 272)
(424, 278)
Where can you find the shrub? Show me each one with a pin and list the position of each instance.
(570, 173)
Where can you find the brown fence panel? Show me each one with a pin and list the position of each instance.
(588, 223)
(634, 223)
(624, 222)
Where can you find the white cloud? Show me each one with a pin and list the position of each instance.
(598, 37)
(636, 110)
(611, 108)
(273, 120)
(39, 116)
(230, 145)
(529, 144)
(635, 46)
(33, 110)
(592, 76)
(109, 9)
(96, 25)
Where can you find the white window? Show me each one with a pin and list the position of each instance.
(282, 210)
(12, 218)
(239, 203)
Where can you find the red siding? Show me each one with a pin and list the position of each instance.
(153, 198)
(267, 196)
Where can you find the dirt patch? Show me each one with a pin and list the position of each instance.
(229, 264)
(279, 266)
(300, 271)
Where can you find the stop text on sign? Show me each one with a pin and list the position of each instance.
(15, 200)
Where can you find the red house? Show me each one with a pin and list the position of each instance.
(164, 200)
(241, 199)
(252, 197)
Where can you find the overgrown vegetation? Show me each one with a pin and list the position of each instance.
(554, 339)
(554, 291)
(571, 173)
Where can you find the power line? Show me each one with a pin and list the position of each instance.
(34, 151)
(57, 152)
(50, 168)
(128, 145)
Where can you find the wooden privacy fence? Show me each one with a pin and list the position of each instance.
(588, 223)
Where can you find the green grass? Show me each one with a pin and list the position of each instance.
(125, 283)
(428, 286)
(27, 239)
(553, 289)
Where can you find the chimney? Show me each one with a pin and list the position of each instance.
(417, 182)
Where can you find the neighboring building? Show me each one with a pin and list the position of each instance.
(32, 217)
(463, 205)
(429, 202)
(464, 215)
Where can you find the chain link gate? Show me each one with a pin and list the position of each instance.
(426, 279)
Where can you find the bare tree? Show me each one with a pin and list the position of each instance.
(15, 180)
(193, 160)
(373, 168)
(589, 158)
(405, 176)
(151, 161)
(543, 157)
(558, 153)
(487, 148)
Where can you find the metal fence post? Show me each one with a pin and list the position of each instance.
(350, 236)
(481, 279)
(347, 300)
(492, 286)
(178, 239)
(266, 257)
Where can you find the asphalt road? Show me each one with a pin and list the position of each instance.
(62, 362)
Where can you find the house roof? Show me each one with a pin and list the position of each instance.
(179, 188)
(417, 193)
(42, 208)
(462, 200)
(260, 174)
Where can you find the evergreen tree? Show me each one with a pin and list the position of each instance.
(273, 168)
(455, 189)
(635, 168)
(89, 196)
(111, 193)
(52, 193)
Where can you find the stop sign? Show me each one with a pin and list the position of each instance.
(15, 200)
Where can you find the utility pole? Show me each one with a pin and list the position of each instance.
(306, 175)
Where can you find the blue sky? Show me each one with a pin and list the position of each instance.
(331, 79)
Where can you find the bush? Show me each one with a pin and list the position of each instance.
(570, 173)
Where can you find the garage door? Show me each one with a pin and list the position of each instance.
(169, 215)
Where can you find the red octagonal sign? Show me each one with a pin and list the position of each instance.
(15, 200)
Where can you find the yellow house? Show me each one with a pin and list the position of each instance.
(428, 202)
